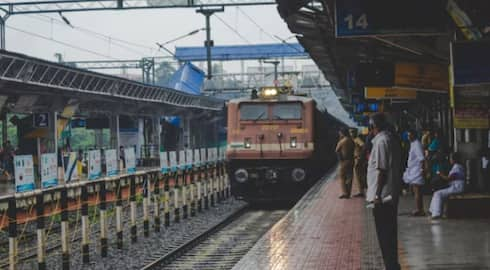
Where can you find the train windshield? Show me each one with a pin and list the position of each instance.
(286, 111)
(253, 112)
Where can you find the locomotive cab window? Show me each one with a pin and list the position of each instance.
(253, 112)
(286, 111)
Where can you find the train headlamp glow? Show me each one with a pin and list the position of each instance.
(293, 143)
(269, 92)
(248, 143)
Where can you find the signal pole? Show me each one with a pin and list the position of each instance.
(209, 42)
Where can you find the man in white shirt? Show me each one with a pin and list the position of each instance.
(383, 179)
(413, 174)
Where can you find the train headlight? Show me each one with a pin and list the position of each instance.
(269, 92)
(248, 143)
(241, 176)
(298, 174)
(293, 143)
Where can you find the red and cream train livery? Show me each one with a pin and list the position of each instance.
(278, 144)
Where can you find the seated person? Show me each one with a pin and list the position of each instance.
(439, 164)
(455, 178)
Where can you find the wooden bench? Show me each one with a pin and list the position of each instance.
(468, 205)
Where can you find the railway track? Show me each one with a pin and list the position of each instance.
(222, 246)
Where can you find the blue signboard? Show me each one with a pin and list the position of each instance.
(388, 17)
(471, 62)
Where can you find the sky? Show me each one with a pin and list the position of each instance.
(132, 34)
(141, 27)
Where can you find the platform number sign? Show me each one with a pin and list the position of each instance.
(41, 120)
(356, 18)
(357, 22)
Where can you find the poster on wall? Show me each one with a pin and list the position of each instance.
(189, 160)
(197, 158)
(49, 170)
(24, 173)
(94, 166)
(71, 172)
(182, 159)
(164, 162)
(472, 112)
(213, 154)
(204, 159)
(130, 158)
(172, 157)
(111, 164)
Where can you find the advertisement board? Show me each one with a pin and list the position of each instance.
(94, 165)
(24, 173)
(111, 162)
(172, 156)
(470, 62)
(130, 158)
(389, 93)
(471, 112)
(428, 77)
(164, 167)
(49, 170)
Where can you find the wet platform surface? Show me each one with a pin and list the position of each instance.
(324, 232)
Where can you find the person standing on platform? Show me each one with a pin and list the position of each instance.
(456, 179)
(413, 174)
(426, 138)
(359, 163)
(383, 184)
(485, 169)
(345, 153)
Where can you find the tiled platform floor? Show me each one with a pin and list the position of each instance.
(324, 232)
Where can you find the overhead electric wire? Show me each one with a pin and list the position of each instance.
(60, 42)
(113, 40)
(255, 23)
(232, 29)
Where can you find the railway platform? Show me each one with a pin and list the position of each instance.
(324, 232)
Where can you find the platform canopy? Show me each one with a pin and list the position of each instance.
(241, 52)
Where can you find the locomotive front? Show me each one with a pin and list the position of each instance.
(270, 144)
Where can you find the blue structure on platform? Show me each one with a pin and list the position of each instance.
(241, 52)
(188, 78)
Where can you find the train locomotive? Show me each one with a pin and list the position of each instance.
(278, 144)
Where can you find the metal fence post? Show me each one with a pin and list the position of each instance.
(146, 218)
(192, 195)
(65, 252)
(176, 199)
(85, 225)
(132, 206)
(41, 238)
(103, 219)
(185, 207)
(166, 200)
(213, 183)
(12, 216)
(156, 200)
(119, 227)
(199, 189)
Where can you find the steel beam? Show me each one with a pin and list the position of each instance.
(33, 72)
(13, 8)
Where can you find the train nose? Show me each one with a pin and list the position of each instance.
(241, 176)
(298, 174)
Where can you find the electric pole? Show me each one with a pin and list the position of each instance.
(209, 43)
